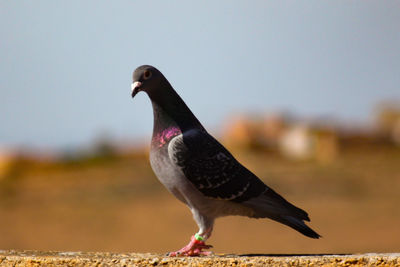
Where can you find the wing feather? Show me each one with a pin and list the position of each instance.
(212, 169)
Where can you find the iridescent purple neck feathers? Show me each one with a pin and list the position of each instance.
(166, 135)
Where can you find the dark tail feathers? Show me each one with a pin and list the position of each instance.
(271, 205)
(298, 225)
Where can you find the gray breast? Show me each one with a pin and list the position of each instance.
(171, 177)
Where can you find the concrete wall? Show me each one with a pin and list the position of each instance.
(36, 258)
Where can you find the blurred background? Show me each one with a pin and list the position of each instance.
(305, 94)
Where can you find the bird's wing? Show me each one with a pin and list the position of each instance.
(212, 169)
(217, 174)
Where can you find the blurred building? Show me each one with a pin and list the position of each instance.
(282, 134)
(297, 142)
(237, 133)
(6, 161)
(388, 121)
(273, 127)
(302, 141)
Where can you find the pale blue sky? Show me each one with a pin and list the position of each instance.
(66, 65)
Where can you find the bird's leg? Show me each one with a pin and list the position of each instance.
(195, 246)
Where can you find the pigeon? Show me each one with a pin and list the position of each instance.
(201, 172)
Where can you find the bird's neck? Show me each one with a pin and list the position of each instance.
(171, 116)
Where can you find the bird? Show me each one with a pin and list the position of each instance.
(200, 172)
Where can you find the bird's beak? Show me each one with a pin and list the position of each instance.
(135, 88)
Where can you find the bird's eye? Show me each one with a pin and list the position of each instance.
(146, 74)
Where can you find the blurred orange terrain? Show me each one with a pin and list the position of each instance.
(113, 202)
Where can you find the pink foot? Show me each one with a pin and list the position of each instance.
(194, 248)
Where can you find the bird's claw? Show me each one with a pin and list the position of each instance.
(194, 248)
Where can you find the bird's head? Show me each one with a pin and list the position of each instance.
(146, 78)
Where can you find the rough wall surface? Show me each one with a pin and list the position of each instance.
(37, 258)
